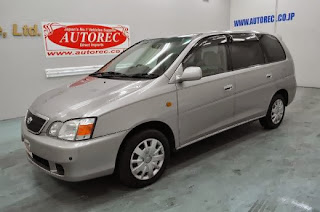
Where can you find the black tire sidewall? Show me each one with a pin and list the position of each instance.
(124, 170)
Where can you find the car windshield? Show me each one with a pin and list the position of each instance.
(147, 59)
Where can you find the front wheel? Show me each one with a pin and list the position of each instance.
(143, 158)
(275, 113)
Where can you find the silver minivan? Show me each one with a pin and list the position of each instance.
(157, 97)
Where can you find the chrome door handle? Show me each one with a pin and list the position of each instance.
(269, 76)
(228, 87)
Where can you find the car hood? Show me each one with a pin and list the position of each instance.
(84, 97)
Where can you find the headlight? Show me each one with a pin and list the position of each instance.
(78, 129)
(54, 129)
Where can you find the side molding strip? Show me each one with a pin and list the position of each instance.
(217, 132)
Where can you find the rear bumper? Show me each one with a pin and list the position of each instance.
(73, 161)
(292, 89)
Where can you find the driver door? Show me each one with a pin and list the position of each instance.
(206, 105)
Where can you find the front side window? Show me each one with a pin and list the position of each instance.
(210, 54)
(245, 51)
(272, 48)
(147, 59)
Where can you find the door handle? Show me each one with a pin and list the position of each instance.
(228, 87)
(269, 76)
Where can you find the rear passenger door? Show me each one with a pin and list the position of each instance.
(253, 79)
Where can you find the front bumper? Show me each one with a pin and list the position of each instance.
(73, 161)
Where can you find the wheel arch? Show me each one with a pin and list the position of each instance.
(285, 94)
(158, 125)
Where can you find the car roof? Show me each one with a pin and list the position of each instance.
(231, 32)
(204, 34)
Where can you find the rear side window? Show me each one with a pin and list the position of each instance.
(272, 48)
(245, 51)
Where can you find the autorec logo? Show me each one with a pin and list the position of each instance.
(283, 17)
(68, 39)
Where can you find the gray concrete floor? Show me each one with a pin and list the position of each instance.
(243, 169)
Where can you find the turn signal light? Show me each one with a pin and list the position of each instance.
(85, 129)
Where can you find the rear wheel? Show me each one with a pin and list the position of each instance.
(275, 113)
(143, 158)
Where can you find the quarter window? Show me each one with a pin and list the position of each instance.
(210, 54)
(245, 51)
(272, 48)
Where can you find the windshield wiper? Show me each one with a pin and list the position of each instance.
(109, 74)
(146, 76)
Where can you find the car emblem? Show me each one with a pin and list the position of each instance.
(29, 120)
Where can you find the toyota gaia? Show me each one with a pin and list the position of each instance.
(157, 97)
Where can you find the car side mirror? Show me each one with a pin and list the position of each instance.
(190, 74)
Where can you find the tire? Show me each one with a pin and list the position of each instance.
(269, 122)
(133, 168)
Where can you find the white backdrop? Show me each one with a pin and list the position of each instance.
(240, 9)
(300, 34)
(23, 61)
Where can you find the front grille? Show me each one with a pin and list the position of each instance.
(35, 123)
